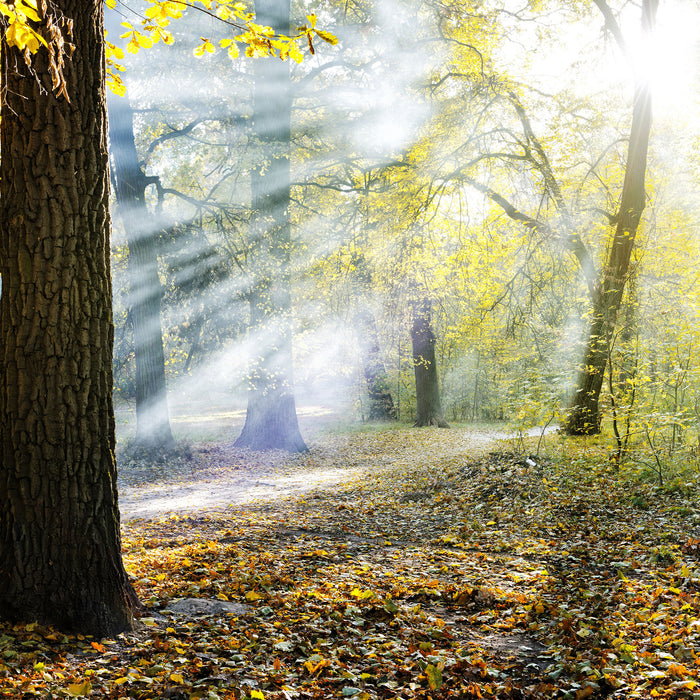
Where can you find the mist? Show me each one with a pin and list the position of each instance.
(405, 150)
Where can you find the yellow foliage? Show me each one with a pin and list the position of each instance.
(261, 40)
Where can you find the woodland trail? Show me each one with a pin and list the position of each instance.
(220, 475)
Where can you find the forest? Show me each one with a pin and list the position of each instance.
(349, 349)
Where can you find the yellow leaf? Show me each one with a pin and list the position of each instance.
(294, 52)
(311, 19)
(256, 694)
(115, 51)
(21, 36)
(361, 595)
(28, 10)
(434, 675)
(145, 42)
(116, 85)
(252, 595)
(177, 678)
(76, 690)
(121, 681)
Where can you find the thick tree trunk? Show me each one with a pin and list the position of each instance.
(60, 560)
(271, 420)
(381, 405)
(428, 408)
(584, 413)
(152, 420)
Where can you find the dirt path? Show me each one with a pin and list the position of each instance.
(221, 475)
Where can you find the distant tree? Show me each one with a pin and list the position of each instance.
(271, 419)
(381, 404)
(60, 548)
(428, 406)
(141, 230)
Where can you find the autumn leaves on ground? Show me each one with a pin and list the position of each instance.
(437, 569)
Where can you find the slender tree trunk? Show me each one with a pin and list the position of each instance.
(584, 413)
(152, 420)
(271, 420)
(381, 405)
(428, 407)
(60, 560)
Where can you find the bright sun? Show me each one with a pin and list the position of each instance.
(671, 58)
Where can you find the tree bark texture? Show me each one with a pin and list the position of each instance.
(428, 407)
(271, 420)
(381, 404)
(584, 413)
(60, 549)
(152, 420)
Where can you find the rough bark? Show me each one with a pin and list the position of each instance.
(60, 560)
(271, 420)
(152, 419)
(381, 404)
(428, 406)
(584, 414)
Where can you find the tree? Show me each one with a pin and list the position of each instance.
(607, 294)
(60, 559)
(141, 230)
(428, 407)
(271, 420)
(381, 404)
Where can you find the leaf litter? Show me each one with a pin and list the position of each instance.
(432, 570)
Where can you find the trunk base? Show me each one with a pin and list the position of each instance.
(582, 421)
(271, 424)
(431, 422)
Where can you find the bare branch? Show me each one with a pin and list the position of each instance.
(611, 24)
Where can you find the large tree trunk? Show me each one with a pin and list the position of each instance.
(60, 560)
(428, 408)
(152, 419)
(381, 405)
(584, 413)
(271, 420)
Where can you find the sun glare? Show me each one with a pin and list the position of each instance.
(670, 58)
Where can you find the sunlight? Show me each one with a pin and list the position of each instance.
(669, 59)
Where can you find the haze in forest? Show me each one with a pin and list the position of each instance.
(391, 129)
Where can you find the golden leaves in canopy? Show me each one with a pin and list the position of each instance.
(259, 40)
(33, 24)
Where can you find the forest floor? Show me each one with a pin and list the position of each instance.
(392, 563)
